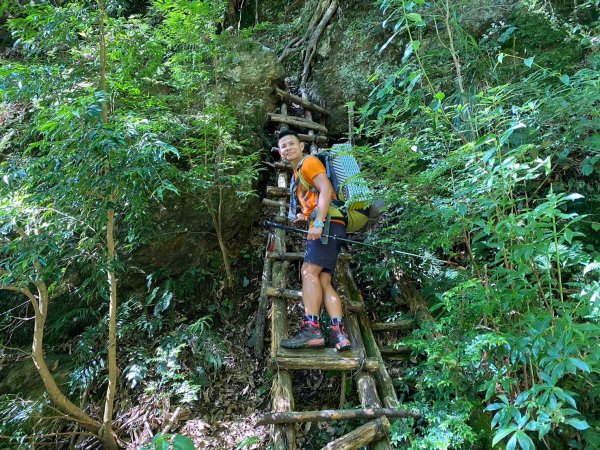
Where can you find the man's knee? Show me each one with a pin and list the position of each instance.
(310, 271)
(325, 278)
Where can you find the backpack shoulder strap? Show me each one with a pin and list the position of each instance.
(303, 181)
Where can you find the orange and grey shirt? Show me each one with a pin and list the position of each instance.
(310, 166)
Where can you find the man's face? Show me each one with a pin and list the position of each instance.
(290, 148)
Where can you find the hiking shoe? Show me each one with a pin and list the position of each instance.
(309, 336)
(338, 338)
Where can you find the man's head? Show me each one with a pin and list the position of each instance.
(290, 146)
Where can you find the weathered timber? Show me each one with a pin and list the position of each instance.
(269, 202)
(283, 293)
(284, 436)
(297, 121)
(276, 191)
(384, 381)
(395, 350)
(286, 96)
(332, 414)
(300, 255)
(398, 325)
(324, 358)
(365, 383)
(363, 435)
(297, 295)
(325, 363)
(261, 314)
(319, 139)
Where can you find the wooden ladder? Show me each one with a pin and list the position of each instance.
(375, 388)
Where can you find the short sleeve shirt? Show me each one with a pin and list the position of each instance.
(311, 167)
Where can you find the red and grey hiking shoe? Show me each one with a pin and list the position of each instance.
(309, 336)
(338, 338)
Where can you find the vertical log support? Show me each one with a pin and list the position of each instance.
(365, 384)
(284, 436)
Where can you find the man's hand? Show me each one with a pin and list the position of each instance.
(300, 218)
(314, 233)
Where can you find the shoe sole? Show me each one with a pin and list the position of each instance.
(314, 343)
(343, 346)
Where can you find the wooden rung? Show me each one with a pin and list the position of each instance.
(370, 432)
(332, 414)
(323, 359)
(283, 293)
(355, 306)
(395, 350)
(269, 202)
(319, 139)
(300, 255)
(286, 96)
(402, 325)
(297, 295)
(297, 121)
(277, 191)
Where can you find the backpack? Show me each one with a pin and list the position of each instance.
(350, 188)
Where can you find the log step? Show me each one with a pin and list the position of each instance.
(318, 139)
(297, 121)
(269, 202)
(398, 325)
(332, 414)
(360, 437)
(395, 352)
(323, 359)
(296, 256)
(297, 295)
(291, 98)
(277, 191)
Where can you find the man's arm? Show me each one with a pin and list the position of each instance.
(325, 188)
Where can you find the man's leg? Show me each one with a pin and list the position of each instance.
(312, 296)
(312, 291)
(331, 299)
(333, 304)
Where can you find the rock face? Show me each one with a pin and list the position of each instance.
(244, 85)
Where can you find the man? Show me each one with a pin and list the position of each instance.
(320, 259)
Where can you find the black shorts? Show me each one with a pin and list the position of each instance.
(325, 255)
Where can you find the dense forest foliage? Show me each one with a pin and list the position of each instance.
(132, 136)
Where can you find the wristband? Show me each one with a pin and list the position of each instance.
(319, 224)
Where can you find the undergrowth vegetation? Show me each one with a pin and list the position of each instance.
(488, 155)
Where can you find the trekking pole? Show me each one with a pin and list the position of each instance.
(269, 224)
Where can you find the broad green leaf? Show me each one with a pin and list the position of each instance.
(568, 235)
(181, 442)
(574, 196)
(524, 441)
(565, 79)
(512, 442)
(502, 433)
(414, 17)
(578, 424)
(247, 442)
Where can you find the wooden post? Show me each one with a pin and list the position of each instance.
(384, 381)
(261, 313)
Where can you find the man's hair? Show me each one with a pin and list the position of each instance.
(287, 132)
